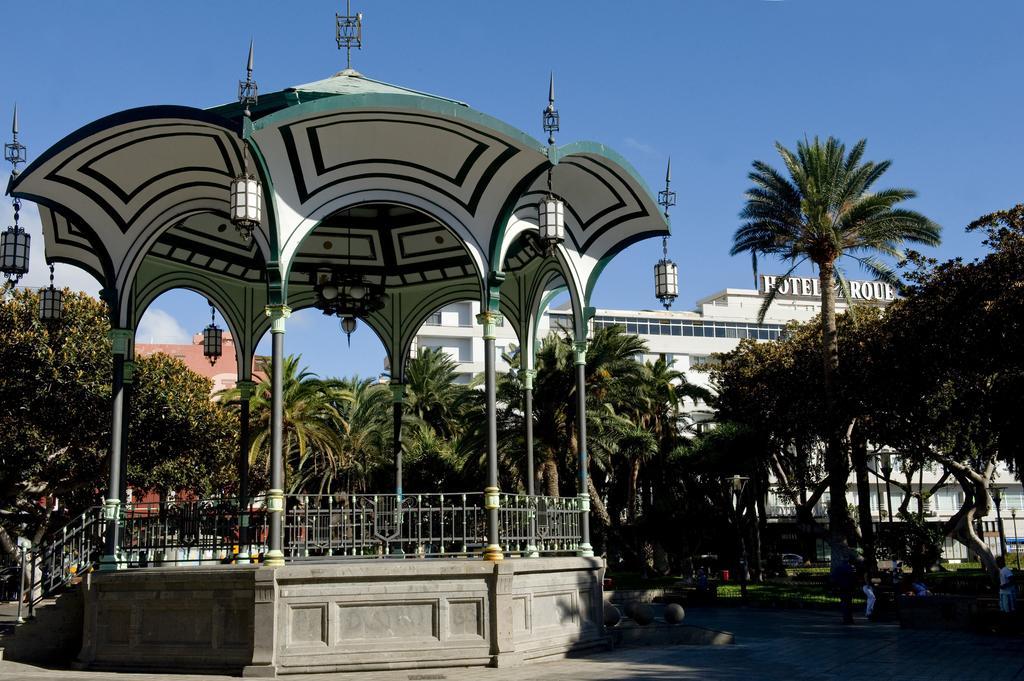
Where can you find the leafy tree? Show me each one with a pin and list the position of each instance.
(177, 437)
(827, 209)
(312, 425)
(54, 411)
(55, 416)
(365, 409)
(953, 372)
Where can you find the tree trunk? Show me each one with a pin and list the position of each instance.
(550, 468)
(836, 460)
(597, 506)
(859, 452)
(977, 504)
(634, 475)
(8, 545)
(755, 562)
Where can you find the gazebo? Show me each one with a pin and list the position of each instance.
(376, 203)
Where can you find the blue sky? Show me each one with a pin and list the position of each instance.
(933, 85)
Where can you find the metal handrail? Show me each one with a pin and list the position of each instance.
(193, 532)
(72, 550)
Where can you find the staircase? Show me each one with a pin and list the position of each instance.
(52, 637)
(52, 630)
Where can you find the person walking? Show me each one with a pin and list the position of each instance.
(845, 576)
(869, 595)
(1007, 587)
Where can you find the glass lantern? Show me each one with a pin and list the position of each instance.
(246, 204)
(551, 220)
(51, 304)
(213, 343)
(666, 281)
(348, 325)
(14, 253)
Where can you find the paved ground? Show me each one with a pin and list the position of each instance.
(771, 646)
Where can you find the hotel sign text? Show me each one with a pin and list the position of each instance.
(809, 287)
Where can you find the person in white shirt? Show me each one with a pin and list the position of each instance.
(1007, 587)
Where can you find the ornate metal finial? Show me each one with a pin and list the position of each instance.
(667, 197)
(348, 31)
(14, 151)
(551, 113)
(248, 91)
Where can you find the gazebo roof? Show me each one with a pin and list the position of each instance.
(346, 82)
(351, 82)
(420, 193)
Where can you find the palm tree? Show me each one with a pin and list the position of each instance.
(312, 425)
(365, 409)
(433, 394)
(446, 429)
(824, 211)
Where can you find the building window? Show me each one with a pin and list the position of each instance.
(434, 319)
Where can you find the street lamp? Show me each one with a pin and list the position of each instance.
(1016, 537)
(997, 497)
(738, 484)
(887, 472)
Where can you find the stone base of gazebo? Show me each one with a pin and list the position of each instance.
(356, 615)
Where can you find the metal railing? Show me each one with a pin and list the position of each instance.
(72, 550)
(184, 532)
(344, 525)
(425, 525)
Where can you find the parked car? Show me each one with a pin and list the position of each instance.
(792, 560)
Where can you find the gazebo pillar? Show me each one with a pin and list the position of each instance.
(492, 499)
(126, 414)
(531, 474)
(580, 348)
(275, 495)
(245, 390)
(121, 340)
(397, 407)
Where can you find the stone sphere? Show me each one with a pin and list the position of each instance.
(643, 614)
(674, 613)
(612, 616)
(630, 607)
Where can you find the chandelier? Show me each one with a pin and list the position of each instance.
(347, 295)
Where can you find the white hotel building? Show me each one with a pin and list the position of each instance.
(690, 338)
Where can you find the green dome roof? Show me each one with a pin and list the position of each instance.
(347, 82)
(351, 82)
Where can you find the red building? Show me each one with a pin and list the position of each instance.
(223, 372)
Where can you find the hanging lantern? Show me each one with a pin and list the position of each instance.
(14, 245)
(246, 204)
(551, 219)
(348, 325)
(551, 211)
(51, 302)
(666, 282)
(14, 252)
(666, 274)
(213, 340)
(246, 209)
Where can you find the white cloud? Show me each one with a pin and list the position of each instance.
(158, 326)
(38, 272)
